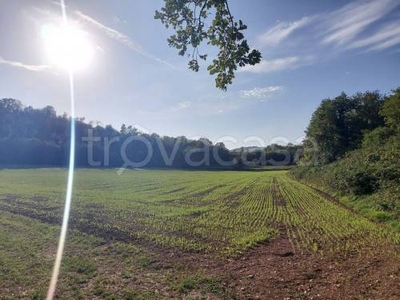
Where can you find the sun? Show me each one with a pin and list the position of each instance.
(67, 47)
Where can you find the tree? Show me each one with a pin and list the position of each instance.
(187, 18)
(338, 125)
(10, 113)
(366, 116)
(391, 110)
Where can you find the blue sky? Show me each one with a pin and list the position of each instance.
(311, 50)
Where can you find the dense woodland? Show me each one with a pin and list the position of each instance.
(40, 137)
(353, 149)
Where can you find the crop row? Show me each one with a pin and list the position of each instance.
(222, 212)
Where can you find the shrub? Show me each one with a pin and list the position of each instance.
(363, 183)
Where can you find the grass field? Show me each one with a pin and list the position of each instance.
(141, 235)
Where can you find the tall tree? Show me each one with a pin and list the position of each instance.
(338, 124)
(391, 110)
(187, 18)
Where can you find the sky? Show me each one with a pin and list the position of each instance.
(312, 50)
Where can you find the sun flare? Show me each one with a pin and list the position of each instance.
(67, 47)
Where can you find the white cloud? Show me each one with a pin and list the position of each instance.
(236, 100)
(386, 37)
(184, 104)
(36, 68)
(118, 20)
(344, 24)
(260, 93)
(122, 38)
(279, 64)
(180, 106)
(213, 104)
(281, 31)
(352, 26)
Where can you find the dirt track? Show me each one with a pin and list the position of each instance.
(274, 271)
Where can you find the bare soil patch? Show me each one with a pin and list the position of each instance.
(274, 270)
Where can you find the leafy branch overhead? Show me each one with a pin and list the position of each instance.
(189, 19)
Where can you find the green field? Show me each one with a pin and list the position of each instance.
(120, 224)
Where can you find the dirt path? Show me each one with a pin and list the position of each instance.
(273, 271)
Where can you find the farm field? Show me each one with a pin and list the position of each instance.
(166, 234)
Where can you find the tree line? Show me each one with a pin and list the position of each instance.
(40, 137)
(345, 123)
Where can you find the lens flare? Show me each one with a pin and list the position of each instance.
(67, 46)
(71, 58)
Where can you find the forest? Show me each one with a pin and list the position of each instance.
(40, 137)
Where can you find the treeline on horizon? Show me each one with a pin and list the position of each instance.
(40, 137)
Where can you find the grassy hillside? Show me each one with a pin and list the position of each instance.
(367, 179)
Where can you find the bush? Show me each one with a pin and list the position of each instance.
(363, 183)
(377, 137)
